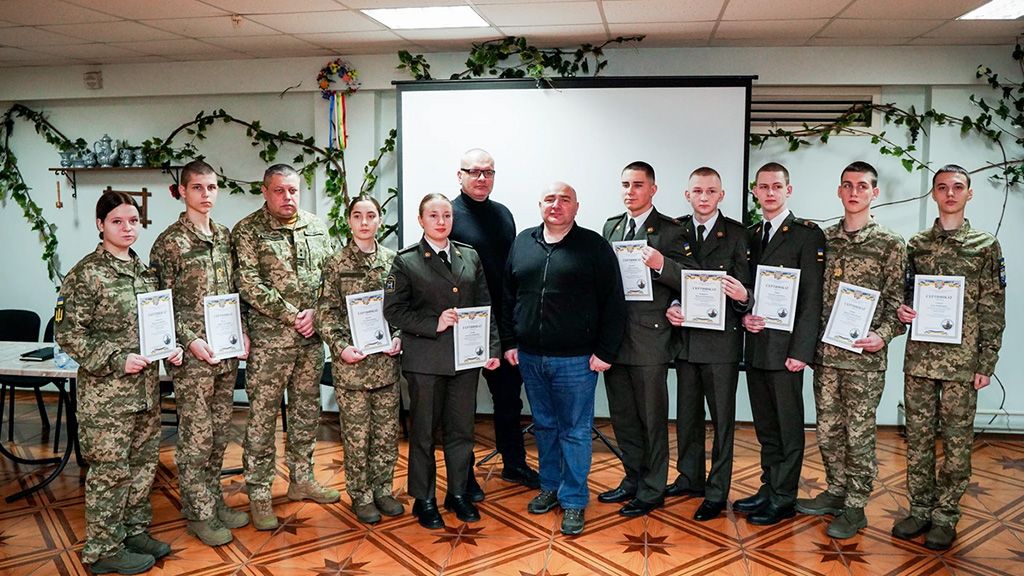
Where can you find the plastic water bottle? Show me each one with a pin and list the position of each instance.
(60, 357)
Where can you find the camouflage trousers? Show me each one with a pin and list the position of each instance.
(122, 451)
(846, 402)
(203, 394)
(369, 430)
(938, 408)
(269, 372)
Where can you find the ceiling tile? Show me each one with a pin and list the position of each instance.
(251, 43)
(859, 41)
(285, 53)
(17, 54)
(548, 14)
(170, 48)
(661, 10)
(360, 4)
(977, 30)
(845, 27)
(559, 36)
(761, 10)
(770, 30)
(5, 24)
(139, 10)
(89, 51)
(454, 34)
(962, 41)
(39, 12)
(140, 59)
(313, 22)
(349, 41)
(123, 31)
(210, 27)
(274, 6)
(218, 55)
(888, 9)
(666, 34)
(28, 36)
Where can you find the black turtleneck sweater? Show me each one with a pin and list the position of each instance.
(489, 228)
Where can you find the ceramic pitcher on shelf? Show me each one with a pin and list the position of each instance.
(127, 154)
(106, 151)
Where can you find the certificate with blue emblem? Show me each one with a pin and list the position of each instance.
(850, 320)
(775, 292)
(703, 299)
(370, 332)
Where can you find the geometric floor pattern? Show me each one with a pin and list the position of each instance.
(42, 534)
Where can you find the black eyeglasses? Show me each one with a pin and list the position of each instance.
(474, 173)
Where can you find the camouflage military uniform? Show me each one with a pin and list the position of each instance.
(939, 395)
(367, 391)
(277, 273)
(847, 385)
(118, 413)
(194, 265)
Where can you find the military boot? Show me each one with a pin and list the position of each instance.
(366, 513)
(210, 531)
(124, 562)
(263, 517)
(940, 537)
(847, 524)
(823, 503)
(230, 517)
(911, 527)
(312, 490)
(389, 505)
(143, 543)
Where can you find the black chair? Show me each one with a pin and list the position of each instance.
(23, 326)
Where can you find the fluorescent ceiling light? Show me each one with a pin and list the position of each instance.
(996, 10)
(422, 18)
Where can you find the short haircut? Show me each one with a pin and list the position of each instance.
(111, 199)
(361, 198)
(952, 169)
(860, 167)
(193, 169)
(430, 197)
(642, 166)
(278, 169)
(706, 171)
(773, 167)
(475, 152)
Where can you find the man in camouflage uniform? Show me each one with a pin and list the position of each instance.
(848, 385)
(279, 252)
(193, 259)
(942, 380)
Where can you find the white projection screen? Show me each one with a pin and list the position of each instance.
(580, 131)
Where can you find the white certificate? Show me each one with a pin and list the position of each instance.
(939, 303)
(636, 276)
(472, 337)
(156, 324)
(370, 332)
(703, 299)
(850, 319)
(775, 292)
(223, 317)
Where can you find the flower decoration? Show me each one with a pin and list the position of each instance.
(336, 70)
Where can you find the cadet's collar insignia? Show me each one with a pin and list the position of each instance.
(426, 254)
(457, 253)
(720, 234)
(650, 229)
(785, 228)
(821, 253)
(617, 226)
(1002, 272)
(58, 311)
(389, 284)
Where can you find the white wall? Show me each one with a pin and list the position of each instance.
(143, 100)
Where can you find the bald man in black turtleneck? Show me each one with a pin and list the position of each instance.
(488, 227)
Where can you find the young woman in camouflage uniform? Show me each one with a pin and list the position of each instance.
(118, 391)
(192, 257)
(366, 386)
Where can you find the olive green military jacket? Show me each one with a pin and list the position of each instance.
(193, 266)
(277, 273)
(419, 288)
(977, 257)
(726, 249)
(351, 271)
(874, 257)
(96, 323)
(798, 244)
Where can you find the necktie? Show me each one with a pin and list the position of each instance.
(443, 255)
(767, 235)
(631, 233)
(700, 237)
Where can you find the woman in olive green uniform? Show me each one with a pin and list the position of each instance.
(118, 392)
(366, 385)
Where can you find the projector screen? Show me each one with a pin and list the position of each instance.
(580, 131)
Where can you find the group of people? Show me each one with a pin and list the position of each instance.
(558, 318)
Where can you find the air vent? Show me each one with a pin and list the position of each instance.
(791, 108)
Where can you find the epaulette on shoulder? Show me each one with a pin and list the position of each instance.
(734, 222)
(410, 248)
(667, 218)
(462, 244)
(616, 217)
(683, 219)
(806, 223)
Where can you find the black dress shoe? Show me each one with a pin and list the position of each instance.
(637, 507)
(771, 514)
(463, 507)
(616, 495)
(521, 474)
(675, 489)
(473, 489)
(708, 510)
(750, 503)
(427, 513)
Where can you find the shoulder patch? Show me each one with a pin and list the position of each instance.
(1002, 272)
(58, 310)
(821, 254)
(389, 284)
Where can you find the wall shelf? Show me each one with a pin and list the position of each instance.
(71, 173)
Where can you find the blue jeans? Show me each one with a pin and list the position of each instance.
(561, 394)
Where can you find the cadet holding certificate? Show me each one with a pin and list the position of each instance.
(636, 275)
(775, 295)
(851, 316)
(939, 302)
(370, 332)
(472, 337)
(156, 324)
